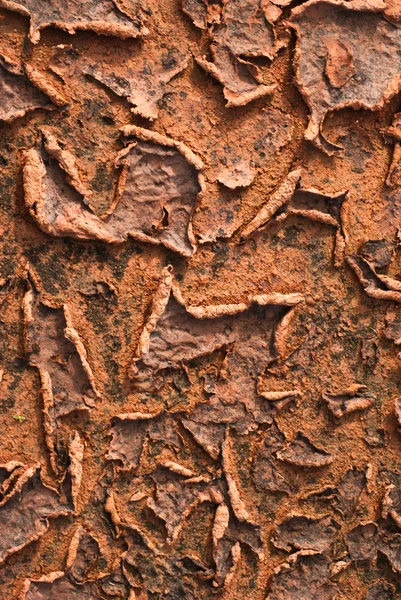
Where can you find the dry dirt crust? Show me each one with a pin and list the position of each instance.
(200, 299)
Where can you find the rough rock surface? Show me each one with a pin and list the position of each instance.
(200, 300)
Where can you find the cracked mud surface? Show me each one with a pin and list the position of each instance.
(200, 300)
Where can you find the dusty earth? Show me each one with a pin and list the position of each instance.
(200, 291)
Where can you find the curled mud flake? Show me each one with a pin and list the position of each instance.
(375, 437)
(339, 566)
(339, 66)
(344, 59)
(25, 512)
(128, 438)
(239, 174)
(130, 432)
(146, 135)
(111, 510)
(158, 308)
(100, 288)
(220, 526)
(208, 423)
(345, 496)
(9, 474)
(38, 79)
(73, 477)
(66, 161)
(157, 573)
(313, 215)
(306, 576)
(391, 504)
(326, 219)
(102, 16)
(231, 528)
(143, 82)
(267, 476)
(277, 200)
(178, 469)
(226, 569)
(157, 193)
(389, 282)
(176, 496)
(241, 79)
(303, 453)
(56, 207)
(164, 429)
(280, 399)
(246, 30)
(281, 333)
(46, 586)
(64, 62)
(306, 533)
(278, 396)
(375, 285)
(228, 535)
(390, 546)
(237, 504)
(356, 145)
(55, 348)
(394, 131)
(176, 333)
(63, 587)
(378, 253)
(20, 93)
(393, 326)
(83, 556)
(380, 591)
(197, 11)
(393, 179)
(328, 209)
(115, 585)
(349, 490)
(138, 496)
(227, 554)
(156, 196)
(397, 409)
(362, 542)
(348, 400)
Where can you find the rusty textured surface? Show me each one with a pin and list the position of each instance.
(200, 290)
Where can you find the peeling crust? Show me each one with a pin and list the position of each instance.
(375, 285)
(108, 19)
(138, 208)
(56, 350)
(303, 453)
(143, 83)
(25, 512)
(281, 196)
(168, 289)
(349, 29)
(348, 400)
(23, 89)
(241, 79)
(66, 160)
